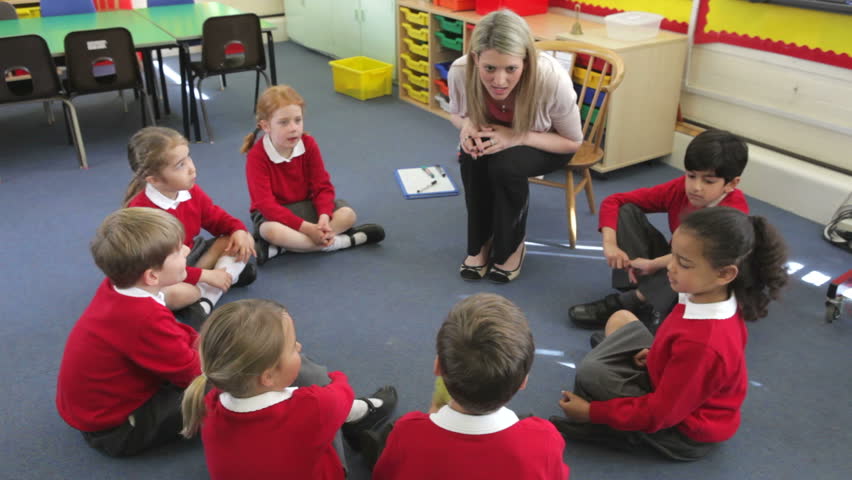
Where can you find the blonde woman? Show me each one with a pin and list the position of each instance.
(517, 114)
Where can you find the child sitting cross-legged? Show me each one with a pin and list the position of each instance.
(164, 177)
(680, 393)
(127, 361)
(272, 413)
(485, 352)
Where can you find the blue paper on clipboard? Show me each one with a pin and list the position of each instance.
(425, 182)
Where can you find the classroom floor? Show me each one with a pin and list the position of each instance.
(373, 311)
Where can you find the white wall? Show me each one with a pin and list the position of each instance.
(260, 7)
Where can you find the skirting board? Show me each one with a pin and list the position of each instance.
(807, 190)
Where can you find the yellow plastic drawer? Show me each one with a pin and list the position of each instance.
(421, 81)
(417, 18)
(579, 75)
(421, 49)
(419, 66)
(416, 33)
(421, 96)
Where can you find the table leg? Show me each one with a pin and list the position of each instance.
(183, 60)
(271, 46)
(166, 107)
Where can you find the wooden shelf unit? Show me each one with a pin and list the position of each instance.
(642, 112)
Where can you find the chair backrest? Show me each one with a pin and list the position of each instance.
(221, 34)
(101, 60)
(597, 72)
(163, 3)
(7, 11)
(27, 71)
(50, 8)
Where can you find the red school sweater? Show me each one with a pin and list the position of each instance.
(117, 356)
(196, 213)
(418, 449)
(289, 439)
(698, 376)
(273, 185)
(669, 197)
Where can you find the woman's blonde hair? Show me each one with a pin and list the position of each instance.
(239, 342)
(508, 34)
(147, 152)
(271, 100)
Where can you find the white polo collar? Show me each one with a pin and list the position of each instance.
(276, 157)
(140, 293)
(255, 403)
(715, 203)
(458, 422)
(163, 201)
(708, 311)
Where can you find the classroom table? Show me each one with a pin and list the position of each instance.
(146, 35)
(184, 23)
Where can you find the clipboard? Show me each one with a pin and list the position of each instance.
(425, 182)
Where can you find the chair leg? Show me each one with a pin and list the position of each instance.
(68, 134)
(222, 83)
(571, 206)
(49, 112)
(123, 101)
(78, 136)
(590, 193)
(163, 92)
(256, 91)
(204, 113)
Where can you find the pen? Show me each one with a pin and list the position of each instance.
(441, 169)
(428, 172)
(426, 187)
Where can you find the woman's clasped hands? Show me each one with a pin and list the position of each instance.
(487, 140)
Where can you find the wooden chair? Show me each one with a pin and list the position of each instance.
(597, 73)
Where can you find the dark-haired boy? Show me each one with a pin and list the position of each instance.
(127, 361)
(637, 252)
(485, 352)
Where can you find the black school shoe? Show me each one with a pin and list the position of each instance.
(374, 232)
(246, 277)
(594, 315)
(596, 339)
(373, 443)
(194, 314)
(373, 418)
(261, 248)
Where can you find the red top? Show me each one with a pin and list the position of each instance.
(272, 185)
(417, 448)
(698, 376)
(669, 197)
(288, 439)
(117, 356)
(196, 213)
(503, 118)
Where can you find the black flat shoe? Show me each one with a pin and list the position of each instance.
(498, 275)
(469, 272)
(596, 339)
(595, 314)
(246, 277)
(261, 248)
(374, 417)
(374, 233)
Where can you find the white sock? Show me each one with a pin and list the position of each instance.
(275, 251)
(339, 242)
(211, 293)
(360, 238)
(359, 409)
(231, 265)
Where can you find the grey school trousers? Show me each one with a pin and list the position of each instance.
(638, 238)
(314, 374)
(608, 372)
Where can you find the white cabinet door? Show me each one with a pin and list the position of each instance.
(378, 31)
(308, 21)
(345, 31)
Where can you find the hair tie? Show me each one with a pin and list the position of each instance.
(257, 130)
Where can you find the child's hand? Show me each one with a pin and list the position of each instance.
(218, 278)
(615, 257)
(641, 358)
(640, 266)
(241, 246)
(314, 233)
(574, 407)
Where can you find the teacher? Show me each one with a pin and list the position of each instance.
(516, 110)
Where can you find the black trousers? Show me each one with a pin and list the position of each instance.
(496, 192)
(638, 238)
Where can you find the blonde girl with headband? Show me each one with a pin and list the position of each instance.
(680, 393)
(164, 177)
(272, 413)
(293, 203)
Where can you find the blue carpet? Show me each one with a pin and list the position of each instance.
(373, 311)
